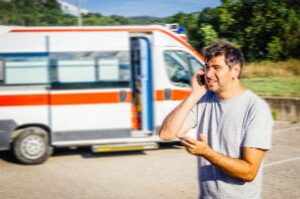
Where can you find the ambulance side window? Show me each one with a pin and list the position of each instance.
(22, 69)
(194, 64)
(107, 69)
(177, 67)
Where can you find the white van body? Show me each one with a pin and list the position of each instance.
(90, 86)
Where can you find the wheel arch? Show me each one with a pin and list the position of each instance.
(18, 130)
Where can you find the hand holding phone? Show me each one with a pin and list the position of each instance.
(201, 79)
(198, 85)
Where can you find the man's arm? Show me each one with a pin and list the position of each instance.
(174, 124)
(244, 169)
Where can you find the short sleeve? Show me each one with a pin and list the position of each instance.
(258, 130)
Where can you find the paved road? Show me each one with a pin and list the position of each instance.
(165, 173)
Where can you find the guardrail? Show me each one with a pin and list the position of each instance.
(287, 109)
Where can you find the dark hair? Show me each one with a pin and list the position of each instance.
(233, 55)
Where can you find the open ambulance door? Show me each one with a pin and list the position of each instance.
(141, 85)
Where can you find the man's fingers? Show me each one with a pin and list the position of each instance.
(188, 139)
(200, 72)
(188, 148)
(186, 144)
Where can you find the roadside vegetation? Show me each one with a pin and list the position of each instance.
(268, 78)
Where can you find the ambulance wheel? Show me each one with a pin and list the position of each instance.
(32, 146)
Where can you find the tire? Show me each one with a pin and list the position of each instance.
(32, 146)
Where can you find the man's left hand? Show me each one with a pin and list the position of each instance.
(195, 147)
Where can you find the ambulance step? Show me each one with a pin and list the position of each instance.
(137, 134)
(124, 147)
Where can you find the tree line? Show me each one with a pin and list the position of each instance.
(264, 29)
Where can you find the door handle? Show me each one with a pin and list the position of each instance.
(167, 94)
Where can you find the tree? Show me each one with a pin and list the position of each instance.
(262, 28)
(121, 20)
(207, 35)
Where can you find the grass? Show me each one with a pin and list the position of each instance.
(273, 78)
(274, 86)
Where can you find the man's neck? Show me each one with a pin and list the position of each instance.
(233, 90)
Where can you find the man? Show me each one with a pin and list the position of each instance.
(234, 127)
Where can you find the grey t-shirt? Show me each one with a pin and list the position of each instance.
(230, 125)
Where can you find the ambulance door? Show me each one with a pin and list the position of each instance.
(90, 97)
(141, 84)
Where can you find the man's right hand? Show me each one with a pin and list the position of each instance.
(197, 90)
(174, 124)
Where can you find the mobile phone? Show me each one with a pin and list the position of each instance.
(201, 79)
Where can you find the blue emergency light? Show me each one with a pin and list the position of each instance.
(180, 29)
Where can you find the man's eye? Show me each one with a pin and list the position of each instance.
(217, 68)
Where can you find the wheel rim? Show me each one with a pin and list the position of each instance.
(33, 147)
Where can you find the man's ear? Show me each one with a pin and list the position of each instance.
(236, 70)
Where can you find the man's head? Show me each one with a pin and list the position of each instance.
(233, 55)
(223, 65)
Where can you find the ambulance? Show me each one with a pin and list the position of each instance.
(105, 87)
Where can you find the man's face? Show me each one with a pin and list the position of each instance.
(218, 75)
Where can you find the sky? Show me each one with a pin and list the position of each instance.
(156, 8)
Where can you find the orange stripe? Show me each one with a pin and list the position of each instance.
(60, 99)
(78, 98)
(128, 96)
(179, 94)
(175, 95)
(159, 95)
(177, 38)
(85, 30)
(23, 100)
(84, 98)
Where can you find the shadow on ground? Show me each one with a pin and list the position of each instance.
(85, 152)
(8, 156)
